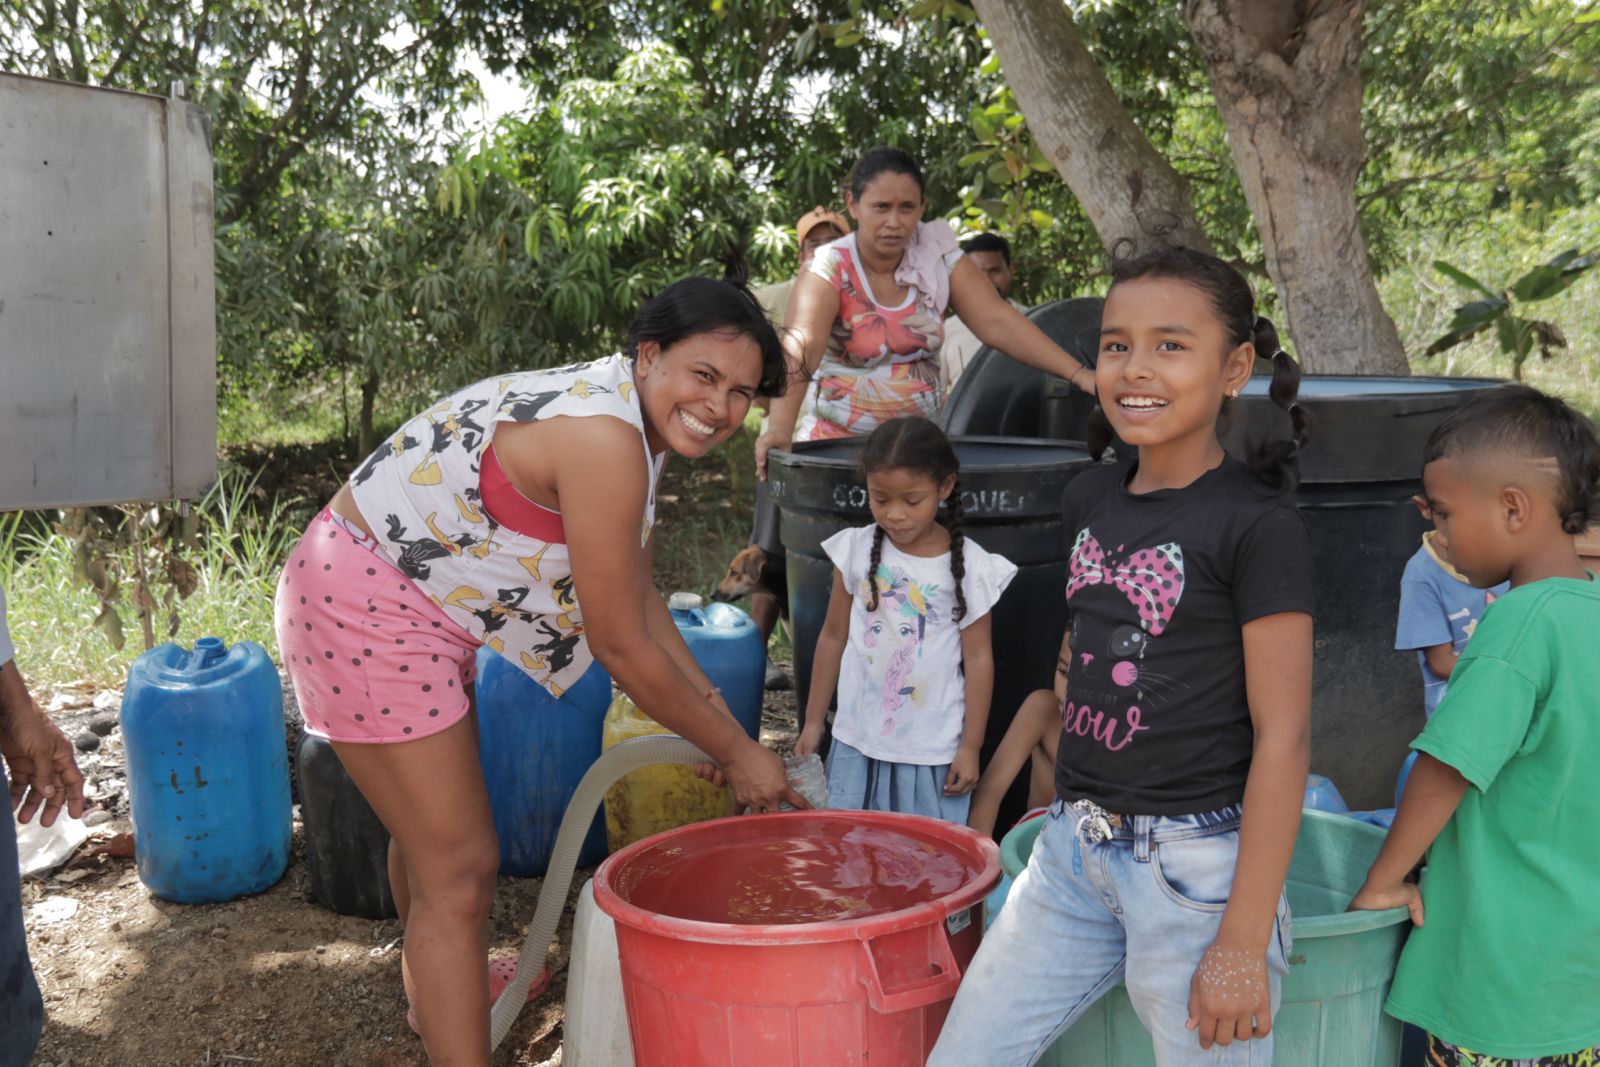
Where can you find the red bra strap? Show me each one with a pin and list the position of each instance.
(508, 507)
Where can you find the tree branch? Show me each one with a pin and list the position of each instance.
(80, 65)
(257, 176)
(202, 33)
(1127, 189)
(135, 38)
(1447, 176)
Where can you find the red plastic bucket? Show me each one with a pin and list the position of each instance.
(841, 992)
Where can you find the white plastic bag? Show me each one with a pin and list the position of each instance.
(41, 849)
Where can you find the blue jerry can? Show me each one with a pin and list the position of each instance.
(727, 644)
(208, 770)
(535, 749)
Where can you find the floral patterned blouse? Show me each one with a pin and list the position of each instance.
(881, 362)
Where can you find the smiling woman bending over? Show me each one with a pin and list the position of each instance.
(514, 513)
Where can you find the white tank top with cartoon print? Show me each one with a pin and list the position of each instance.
(419, 494)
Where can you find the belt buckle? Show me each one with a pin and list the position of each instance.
(1097, 822)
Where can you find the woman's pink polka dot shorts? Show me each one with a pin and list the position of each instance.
(372, 659)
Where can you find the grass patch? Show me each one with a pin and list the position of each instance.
(1498, 251)
(242, 542)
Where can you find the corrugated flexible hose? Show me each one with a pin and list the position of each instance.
(613, 764)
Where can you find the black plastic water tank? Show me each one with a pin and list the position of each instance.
(1011, 495)
(998, 395)
(1358, 475)
(347, 847)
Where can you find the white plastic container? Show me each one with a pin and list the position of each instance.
(597, 1019)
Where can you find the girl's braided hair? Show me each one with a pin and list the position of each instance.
(1277, 462)
(917, 444)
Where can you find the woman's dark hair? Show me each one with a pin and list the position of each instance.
(1517, 422)
(1275, 461)
(709, 305)
(917, 444)
(883, 160)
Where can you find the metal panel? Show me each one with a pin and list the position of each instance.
(107, 299)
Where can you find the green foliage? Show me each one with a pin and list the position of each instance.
(350, 260)
(1516, 333)
(239, 548)
(1503, 244)
(581, 209)
(1475, 108)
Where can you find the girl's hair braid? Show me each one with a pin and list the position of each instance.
(872, 567)
(958, 563)
(917, 444)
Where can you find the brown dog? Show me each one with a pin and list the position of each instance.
(752, 572)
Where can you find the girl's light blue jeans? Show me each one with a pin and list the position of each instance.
(1140, 907)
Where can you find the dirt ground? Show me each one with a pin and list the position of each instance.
(129, 979)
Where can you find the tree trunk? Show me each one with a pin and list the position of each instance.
(1286, 77)
(367, 438)
(1128, 189)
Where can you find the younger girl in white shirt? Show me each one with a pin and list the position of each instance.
(906, 641)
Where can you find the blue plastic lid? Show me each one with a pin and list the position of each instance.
(172, 664)
(207, 650)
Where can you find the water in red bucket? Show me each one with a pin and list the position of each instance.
(795, 874)
(795, 939)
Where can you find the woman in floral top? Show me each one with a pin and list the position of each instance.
(866, 318)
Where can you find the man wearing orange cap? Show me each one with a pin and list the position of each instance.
(816, 228)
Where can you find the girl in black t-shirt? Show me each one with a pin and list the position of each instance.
(1188, 703)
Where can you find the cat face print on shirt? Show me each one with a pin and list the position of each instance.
(1109, 690)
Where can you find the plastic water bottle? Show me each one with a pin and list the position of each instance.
(807, 777)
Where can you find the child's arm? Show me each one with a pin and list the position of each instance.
(1063, 662)
(1441, 659)
(1033, 725)
(1433, 792)
(825, 666)
(977, 659)
(1424, 625)
(1229, 996)
(1036, 722)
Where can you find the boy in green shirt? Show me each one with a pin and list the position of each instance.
(1503, 796)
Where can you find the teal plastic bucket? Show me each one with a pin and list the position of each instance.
(1339, 972)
